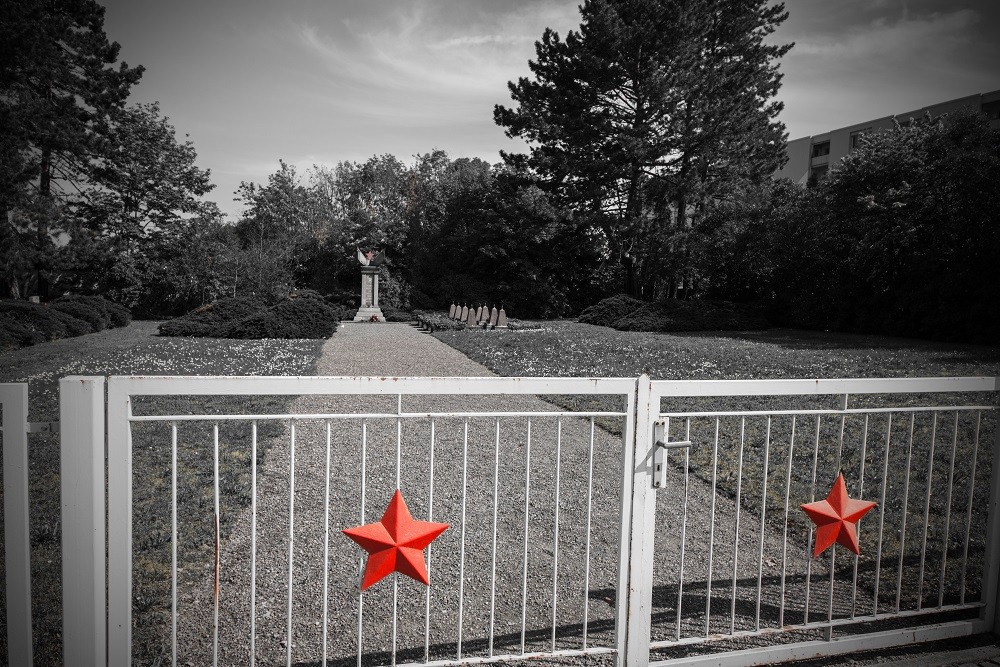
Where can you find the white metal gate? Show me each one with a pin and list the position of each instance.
(561, 540)
(679, 539)
(723, 560)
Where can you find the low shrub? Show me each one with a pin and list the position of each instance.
(183, 326)
(17, 333)
(605, 312)
(227, 309)
(307, 294)
(114, 314)
(31, 323)
(298, 316)
(95, 317)
(628, 314)
(24, 323)
(435, 321)
(393, 314)
(74, 325)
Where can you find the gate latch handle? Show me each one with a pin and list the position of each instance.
(660, 451)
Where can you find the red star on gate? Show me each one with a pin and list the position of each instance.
(835, 518)
(396, 543)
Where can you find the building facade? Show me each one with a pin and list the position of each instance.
(813, 157)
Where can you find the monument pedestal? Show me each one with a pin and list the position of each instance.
(369, 296)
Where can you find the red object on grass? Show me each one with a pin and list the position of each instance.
(396, 543)
(836, 518)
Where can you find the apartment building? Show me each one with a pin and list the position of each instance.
(813, 157)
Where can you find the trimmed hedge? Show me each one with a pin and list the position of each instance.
(97, 320)
(23, 323)
(114, 314)
(625, 313)
(393, 314)
(301, 315)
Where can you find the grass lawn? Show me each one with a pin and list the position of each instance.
(754, 455)
(132, 350)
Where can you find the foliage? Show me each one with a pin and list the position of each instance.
(291, 318)
(300, 316)
(627, 314)
(115, 314)
(901, 239)
(607, 311)
(58, 91)
(95, 318)
(643, 114)
(24, 323)
(393, 314)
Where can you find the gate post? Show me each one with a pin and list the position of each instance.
(642, 526)
(991, 585)
(81, 437)
(17, 542)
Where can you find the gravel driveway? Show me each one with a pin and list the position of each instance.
(401, 350)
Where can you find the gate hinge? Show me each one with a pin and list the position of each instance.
(660, 451)
(43, 427)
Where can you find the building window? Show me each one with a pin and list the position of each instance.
(821, 149)
(856, 135)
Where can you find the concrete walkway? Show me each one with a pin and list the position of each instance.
(488, 589)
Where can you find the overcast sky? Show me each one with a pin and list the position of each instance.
(320, 81)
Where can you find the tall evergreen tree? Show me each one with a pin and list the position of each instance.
(58, 88)
(645, 112)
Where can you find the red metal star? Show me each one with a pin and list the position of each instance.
(396, 543)
(835, 518)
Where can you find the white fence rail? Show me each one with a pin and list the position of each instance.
(679, 541)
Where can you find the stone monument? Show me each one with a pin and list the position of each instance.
(369, 309)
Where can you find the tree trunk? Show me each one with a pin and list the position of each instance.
(44, 190)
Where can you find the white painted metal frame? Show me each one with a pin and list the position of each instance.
(17, 542)
(82, 421)
(651, 440)
(121, 390)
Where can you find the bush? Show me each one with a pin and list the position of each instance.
(31, 322)
(74, 325)
(307, 294)
(95, 317)
(16, 333)
(628, 314)
(607, 311)
(393, 314)
(115, 315)
(298, 316)
(183, 326)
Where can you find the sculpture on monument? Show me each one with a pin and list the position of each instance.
(369, 310)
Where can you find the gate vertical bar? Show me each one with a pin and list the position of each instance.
(990, 574)
(119, 523)
(638, 530)
(81, 435)
(17, 542)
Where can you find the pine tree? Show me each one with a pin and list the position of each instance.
(645, 113)
(58, 89)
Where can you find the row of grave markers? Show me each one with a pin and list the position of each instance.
(479, 317)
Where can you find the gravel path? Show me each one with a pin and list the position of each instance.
(401, 350)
